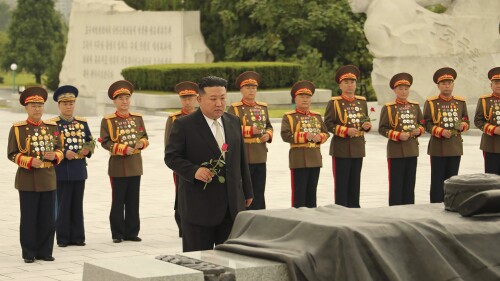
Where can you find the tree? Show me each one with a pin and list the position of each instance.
(4, 15)
(34, 30)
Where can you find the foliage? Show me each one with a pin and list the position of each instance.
(321, 35)
(438, 9)
(164, 77)
(4, 15)
(57, 56)
(34, 30)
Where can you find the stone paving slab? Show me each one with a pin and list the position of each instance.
(158, 228)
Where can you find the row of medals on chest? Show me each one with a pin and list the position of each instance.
(127, 131)
(73, 135)
(496, 114)
(41, 141)
(353, 113)
(449, 115)
(309, 124)
(407, 118)
(258, 117)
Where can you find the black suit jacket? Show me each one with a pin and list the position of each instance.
(192, 143)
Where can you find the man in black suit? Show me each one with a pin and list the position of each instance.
(209, 203)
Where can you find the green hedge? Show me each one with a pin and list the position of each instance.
(164, 77)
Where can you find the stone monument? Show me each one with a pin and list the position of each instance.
(403, 36)
(106, 36)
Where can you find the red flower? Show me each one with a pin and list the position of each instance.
(372, 109)
(99, 139)
(224, 147)
(56, 134)
(141, 129)
(422, 121)
(258, 117)
(465, 118)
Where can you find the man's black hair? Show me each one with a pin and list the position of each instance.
(211, 81)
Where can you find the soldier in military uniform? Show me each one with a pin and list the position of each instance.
(123, 133)
(188, 91)
(305, 131)
(34, 146)
(400, 123)
(487, 119)
(445, 118)
(257, 131)
(71, 173)
(348, 119)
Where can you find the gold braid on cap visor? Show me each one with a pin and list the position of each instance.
(303, 91)
(35, 98)
(401, 82)
(66, 97)
(249, 82)
(445, 77)
(348, 76)
(187, 92)
(495, 77)
(121, 91)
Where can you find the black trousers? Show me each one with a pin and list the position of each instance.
(304, 186)
(347, 177)
(258, 176)
(124, 215)
(177, 215)
(69, 224)
(402, 173)
(198, 237)
(37, 223)
(492, 163)
(442, 168)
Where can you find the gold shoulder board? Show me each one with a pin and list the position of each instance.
(486, 96)
(390, 103)
(290, 112)
(337, 98)
(135, 114)
(261, 103)
(433, 98)
(459, 98)
(82, 119)
(413, 102)
(49, 122)
(176, 113)
(110, 116)
(360, 97)
(237, 103)
(20, 123)
(314, 112)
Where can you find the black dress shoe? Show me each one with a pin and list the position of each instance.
(134, 239)
(117, 240)
(78, 243)
(49, 258)
(29, 260)
(62, 245)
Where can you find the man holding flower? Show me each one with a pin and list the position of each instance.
(77, 143)
(123, 133)
(399, 122)
(206, 150)
(34, 146)
(347, 118)
(446, 119)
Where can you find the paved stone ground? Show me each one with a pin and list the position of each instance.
(158, 228)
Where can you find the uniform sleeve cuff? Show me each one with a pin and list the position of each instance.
(341, 131)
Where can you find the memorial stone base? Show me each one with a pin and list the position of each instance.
(148, 268)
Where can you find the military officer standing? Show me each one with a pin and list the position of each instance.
(400, 123)
(123, 133)
(71, 173)
(188, 91)
(257, 131)
(305, 131)
(445, 118)
(34, 146)
(487, 119)
(348, 119)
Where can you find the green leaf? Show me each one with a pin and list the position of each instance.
(222, 179)
(204, 163)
